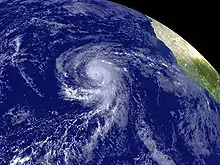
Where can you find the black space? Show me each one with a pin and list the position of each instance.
(199, 25)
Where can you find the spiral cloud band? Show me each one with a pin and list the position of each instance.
(97, 82)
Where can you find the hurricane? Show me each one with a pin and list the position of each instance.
(91, 77)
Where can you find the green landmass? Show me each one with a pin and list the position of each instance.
(203, 73)
(193, 63)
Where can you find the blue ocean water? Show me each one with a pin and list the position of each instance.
(88, 82)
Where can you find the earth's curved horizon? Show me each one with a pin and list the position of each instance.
(194, 64)
(86, 82)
